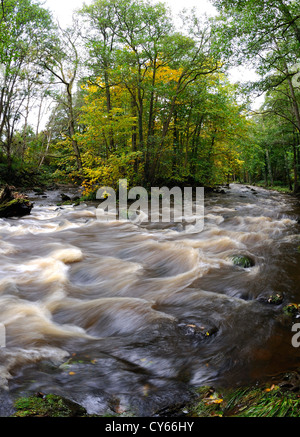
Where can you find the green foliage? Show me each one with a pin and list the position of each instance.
(25, 176)
(267, 401)
(24, 29)
(157, 99)
(155, 104)
(266, 37)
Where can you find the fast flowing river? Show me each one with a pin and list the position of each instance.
(119, 317)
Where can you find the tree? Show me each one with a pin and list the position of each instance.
(135, 48)
(24, 26)
(267, 34)
(61, 59)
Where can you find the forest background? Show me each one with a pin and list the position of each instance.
(126, 91)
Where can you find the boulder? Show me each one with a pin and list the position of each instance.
(13, 204)
(65, 198)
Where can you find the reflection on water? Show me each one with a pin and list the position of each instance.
(100, 311)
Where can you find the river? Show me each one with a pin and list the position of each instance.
(120, 317)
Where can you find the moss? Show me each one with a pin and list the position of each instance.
(47, 406)
(291, 309)
(242, 261)
(276, 299)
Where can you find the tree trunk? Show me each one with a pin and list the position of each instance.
(269, 167)
(72, 129)
(296, 111)
(109, 108)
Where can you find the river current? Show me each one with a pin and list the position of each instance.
(120, 317)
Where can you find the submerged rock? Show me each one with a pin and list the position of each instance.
(196, 331)
(275, 299)
(242, 261)
(13, 204)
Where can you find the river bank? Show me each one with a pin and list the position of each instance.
(280, 397)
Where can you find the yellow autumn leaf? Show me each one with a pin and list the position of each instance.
(218, 401)
(215, 400)
(273, 387)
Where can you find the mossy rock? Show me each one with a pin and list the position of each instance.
(15, 208)
(242, 261)
(50, 405)
(13, 204)
(291, 310)
(276, 299)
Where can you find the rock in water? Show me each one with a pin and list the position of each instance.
(65, 198)
(243, 261)
(13, 204)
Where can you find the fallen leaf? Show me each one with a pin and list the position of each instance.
(217, 401)
(146, 389)
(273, 387)
(213, 399)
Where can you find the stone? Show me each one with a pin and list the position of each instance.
(291, 310)
(242, 261)
(276, 299)
(65, 198)
(13, 204)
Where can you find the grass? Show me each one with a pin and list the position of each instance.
(268, 401)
